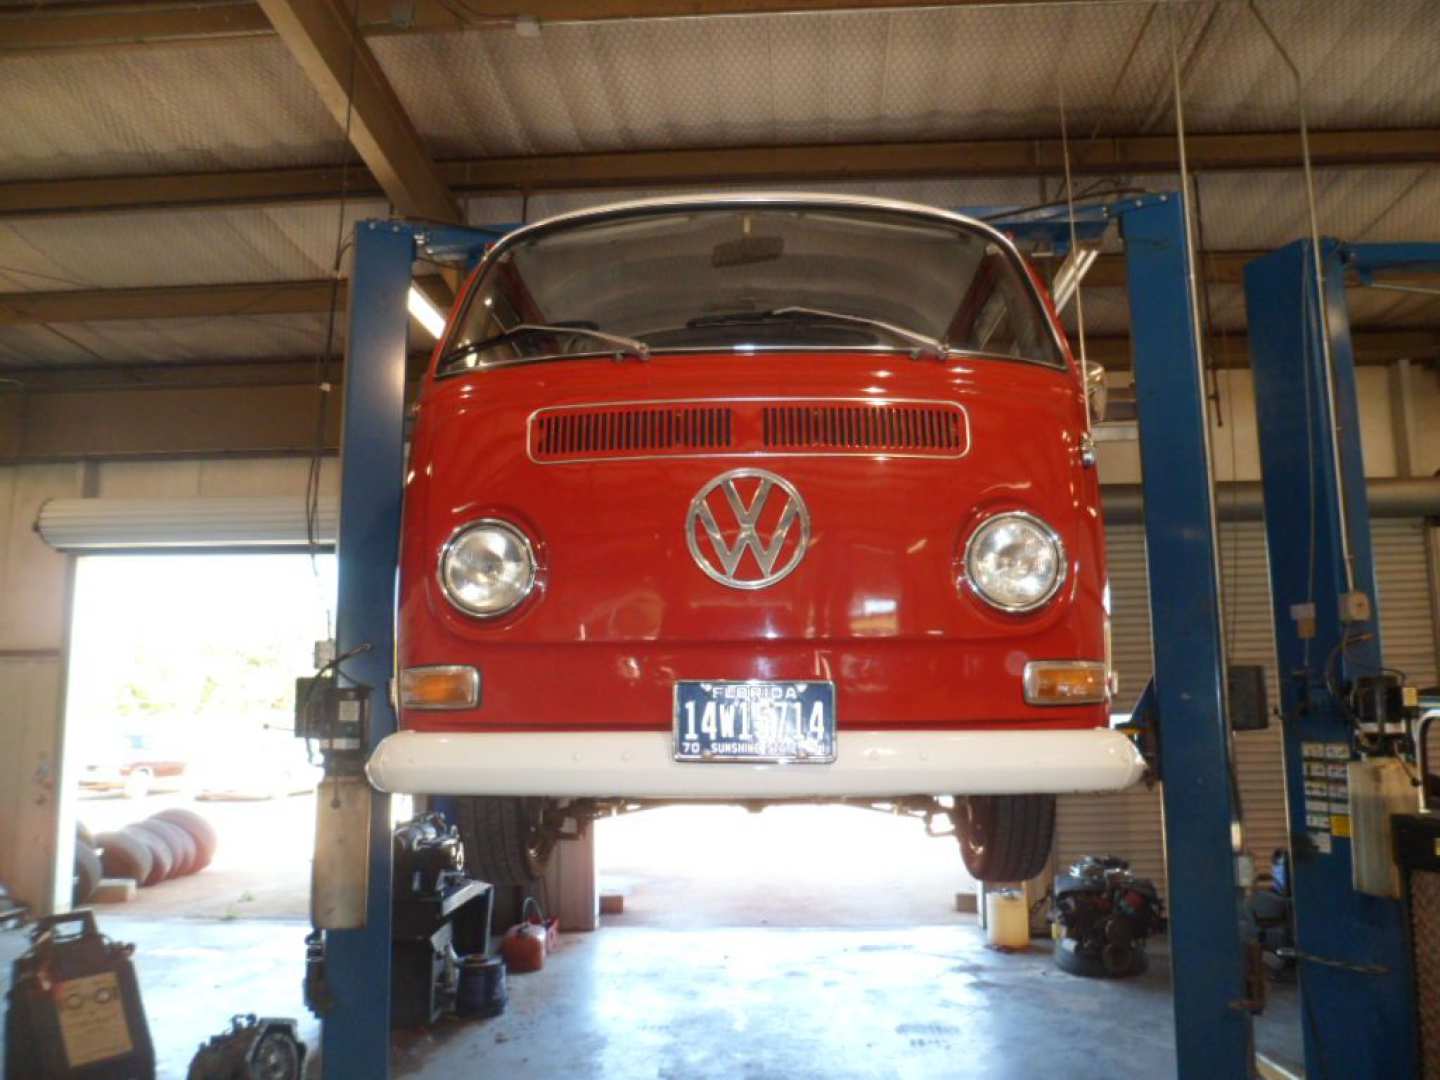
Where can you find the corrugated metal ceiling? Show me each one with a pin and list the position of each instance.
(866, 76)
(187, 247)
(152, 341)
(932, 73)
(928, 73)
(237, 105)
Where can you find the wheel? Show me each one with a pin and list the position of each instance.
(160, 851)
(125, 856)
(1070, 958)
(181, 843)
(200, 830)
(137, 783)
(1004, 837)
(505, 839)
(276, 1057)
(87, 872)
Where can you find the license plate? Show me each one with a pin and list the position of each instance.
(755, 721)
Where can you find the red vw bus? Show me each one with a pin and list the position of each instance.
(753, 498)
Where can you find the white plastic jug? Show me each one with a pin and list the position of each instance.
(1007, 919)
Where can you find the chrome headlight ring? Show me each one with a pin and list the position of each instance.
(1038, 526)
(505, 555)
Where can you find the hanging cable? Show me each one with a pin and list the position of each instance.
(1318, 269)
(323, 386)
(1197, 328)
(1074, 242)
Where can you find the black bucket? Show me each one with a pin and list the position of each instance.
(481, 988)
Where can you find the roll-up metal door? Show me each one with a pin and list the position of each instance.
(1407, 628)
(112, 524)
(1126, 823)
(1129, 823)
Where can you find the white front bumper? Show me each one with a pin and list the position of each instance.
(639, 765)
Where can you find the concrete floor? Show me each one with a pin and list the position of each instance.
(756, 1003)
(740, 954)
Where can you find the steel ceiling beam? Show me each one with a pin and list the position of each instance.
(186, 301)
(313, 296)
(332, 52)
(1117, 156)
(1373, 347)
(166, 302)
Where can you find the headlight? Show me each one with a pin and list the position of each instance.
(487, 568)
(1015, 562)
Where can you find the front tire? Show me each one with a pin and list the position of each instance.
(506, 840)
(1004, 837)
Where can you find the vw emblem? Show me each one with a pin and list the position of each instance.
(725, 562)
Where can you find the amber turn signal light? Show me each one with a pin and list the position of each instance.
(1066, 682)
(445, 686)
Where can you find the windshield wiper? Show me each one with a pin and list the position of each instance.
(932, 347)
(623, 346)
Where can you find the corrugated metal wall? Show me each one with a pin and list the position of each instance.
(32, 628)
(1129, 823)
(33, 599)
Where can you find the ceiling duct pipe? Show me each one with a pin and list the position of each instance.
(1243, 500)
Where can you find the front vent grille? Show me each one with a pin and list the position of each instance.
(741, 428)
(631, 432)
(879, 428)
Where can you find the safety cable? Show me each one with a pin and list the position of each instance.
(1197, 330)
(323, 387)
(1318, 270)
(1074, 246)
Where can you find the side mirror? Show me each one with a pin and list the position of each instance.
(1096, 392)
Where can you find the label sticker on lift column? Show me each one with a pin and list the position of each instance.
(1327, 793)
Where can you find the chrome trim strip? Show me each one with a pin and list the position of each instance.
(1062, 561)
(797, 200)
(497, 523)
(761, 400)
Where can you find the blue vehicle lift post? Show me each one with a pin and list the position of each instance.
(1356, 986)
(355, 1032)
(1212, 1028)
(1187, 697)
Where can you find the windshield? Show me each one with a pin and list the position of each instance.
(742, 277)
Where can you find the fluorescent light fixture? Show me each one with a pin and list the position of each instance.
(426, 313)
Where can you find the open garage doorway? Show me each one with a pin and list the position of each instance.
(693, 866)
(180, 704)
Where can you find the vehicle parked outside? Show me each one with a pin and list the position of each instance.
(135, 765)
(264, 765)
(754, 499)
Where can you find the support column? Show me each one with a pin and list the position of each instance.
(1212, 1028)
(1402, 416)
(355, 1035)
(1355, 980)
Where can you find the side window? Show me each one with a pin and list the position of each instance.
(1000, 316)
